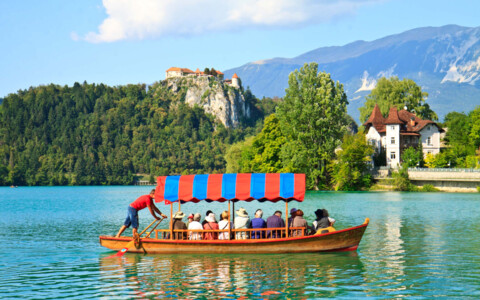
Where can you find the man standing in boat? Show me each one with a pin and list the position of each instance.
(134, 207)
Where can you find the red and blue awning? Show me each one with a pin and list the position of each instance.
(238, 187)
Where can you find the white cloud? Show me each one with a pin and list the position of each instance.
(140, 19)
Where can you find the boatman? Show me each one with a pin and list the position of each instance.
(134, 207)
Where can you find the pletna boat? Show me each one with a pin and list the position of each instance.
(272, 187)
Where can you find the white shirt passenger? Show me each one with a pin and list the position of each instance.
(195, 225)
(223, 225)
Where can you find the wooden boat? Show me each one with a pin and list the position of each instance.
(233, 188)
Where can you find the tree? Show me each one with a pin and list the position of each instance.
(460, 144)
(313, 117)
(412, 157)
(400, 93)
(401, 181)
(267, 147)
(475, 131)
(349, 171)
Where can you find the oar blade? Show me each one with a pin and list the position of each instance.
(121, 252)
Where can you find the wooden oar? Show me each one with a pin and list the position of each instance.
(132, 242)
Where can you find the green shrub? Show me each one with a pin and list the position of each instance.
(429, 188)
(478, 188)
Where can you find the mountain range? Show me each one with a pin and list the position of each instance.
(444, 61)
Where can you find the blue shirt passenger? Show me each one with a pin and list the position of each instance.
(258, 222)
(275, 221)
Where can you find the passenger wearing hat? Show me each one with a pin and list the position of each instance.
(211, 224)
(242, 221)
(179, 225)
(195, 225)
(190, 219)
(293, 212)
(206, 215)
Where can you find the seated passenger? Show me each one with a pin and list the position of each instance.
(206, 215)
(299, 221)
(330, 220)
(189, 219)
(321, 221)
(179, 225)
(258, 222)
(275, 221)
(195, 225)
(211, 224)
(242, 222)
(293, 212)
(224, 224)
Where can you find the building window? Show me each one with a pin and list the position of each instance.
(392, 127)
(392, 141)
(429, 141)
(392, 155)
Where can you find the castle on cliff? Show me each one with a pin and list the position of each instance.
(185, 72)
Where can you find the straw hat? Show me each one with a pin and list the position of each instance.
(179, 215)
(210, 218)
(242, 212)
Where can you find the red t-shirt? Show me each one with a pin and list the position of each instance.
(142, 202)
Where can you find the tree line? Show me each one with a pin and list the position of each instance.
(92, 134)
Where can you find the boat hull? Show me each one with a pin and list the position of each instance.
(341, 240)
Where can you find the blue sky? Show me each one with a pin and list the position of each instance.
(134, 41)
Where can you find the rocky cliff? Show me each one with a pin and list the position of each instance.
(216, 97)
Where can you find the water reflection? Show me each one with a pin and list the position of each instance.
(234, 276)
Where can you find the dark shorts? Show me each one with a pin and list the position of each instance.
(132, 218)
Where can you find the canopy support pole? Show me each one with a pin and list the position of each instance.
(179, 206)
(286, 218)
(229, 221)
(171, 221)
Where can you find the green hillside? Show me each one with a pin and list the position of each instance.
(95, 134)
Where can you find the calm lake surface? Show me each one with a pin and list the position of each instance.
(418, 245)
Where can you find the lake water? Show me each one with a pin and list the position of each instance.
(418, 245)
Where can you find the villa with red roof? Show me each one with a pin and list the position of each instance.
(399, 131)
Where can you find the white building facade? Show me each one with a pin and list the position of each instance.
(400, 130)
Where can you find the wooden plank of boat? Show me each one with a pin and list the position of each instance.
(341, 240)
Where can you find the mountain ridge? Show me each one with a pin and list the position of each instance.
(432, 56)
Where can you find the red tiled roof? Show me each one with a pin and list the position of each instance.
(234, 75)
(218, 72)
(411, 123)
(409, 133)
(393, 116)
(184, 70)
(376, 120)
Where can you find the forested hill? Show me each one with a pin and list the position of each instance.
(95, 134)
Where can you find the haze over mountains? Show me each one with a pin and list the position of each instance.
(444, 61)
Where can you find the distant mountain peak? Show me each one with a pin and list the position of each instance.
(444, 61)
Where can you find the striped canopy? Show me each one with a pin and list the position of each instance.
(237, 187)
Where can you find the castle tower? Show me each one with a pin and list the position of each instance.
(235, 81)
